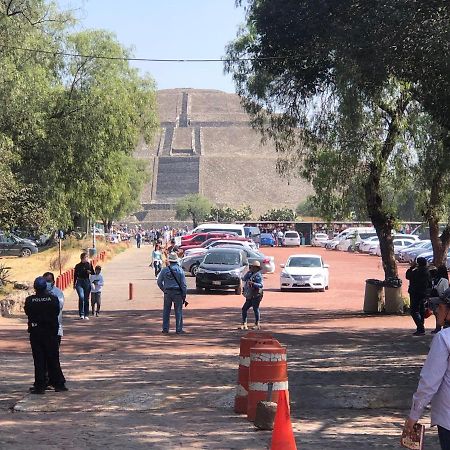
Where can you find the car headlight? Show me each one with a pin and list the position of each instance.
(235, 272)
(317, 276)
(285, 275)
(200, 270)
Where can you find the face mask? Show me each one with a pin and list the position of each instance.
(49, 285)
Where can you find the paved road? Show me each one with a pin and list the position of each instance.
(351, 376)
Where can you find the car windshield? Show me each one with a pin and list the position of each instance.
(304, 261)
(226, 258)
(291, 235)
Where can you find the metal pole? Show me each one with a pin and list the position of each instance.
(59, 252)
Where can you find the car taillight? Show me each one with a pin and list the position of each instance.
(266, 261)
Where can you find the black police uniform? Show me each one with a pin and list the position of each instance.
(42, 310)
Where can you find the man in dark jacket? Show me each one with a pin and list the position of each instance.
(419, 283)
(42, 310)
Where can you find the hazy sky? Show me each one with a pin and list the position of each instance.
(169, 29)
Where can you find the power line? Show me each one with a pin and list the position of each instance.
(123, 58)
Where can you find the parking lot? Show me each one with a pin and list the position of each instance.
(351, 376)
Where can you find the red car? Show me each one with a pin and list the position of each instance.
(199, 238)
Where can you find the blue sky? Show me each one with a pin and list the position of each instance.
(169, 29)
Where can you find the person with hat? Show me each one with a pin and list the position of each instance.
(172, 281)
(419, 283)
(253, 293)
(42, 310)
(434, 384)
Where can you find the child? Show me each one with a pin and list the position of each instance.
(96, 292)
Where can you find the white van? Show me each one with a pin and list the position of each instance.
(332, 243)
(220, 227)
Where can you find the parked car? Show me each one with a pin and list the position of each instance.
(304, 272)
(364, 246)
(319, 239)
(242, 242)
(429, 256)
(222, 268)
(11, 245)
(254, 233)
(411, 254)
(400, 254)
(199, 238)
(349, 242)
(398, 244)
(291, 239)
(267, 240)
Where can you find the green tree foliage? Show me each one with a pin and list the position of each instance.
(278, 215)
(323, 79)
(226, 214)
(71, 123)
(195, 207)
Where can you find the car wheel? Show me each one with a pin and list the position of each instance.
(194, 270)
(25, 252)
(327, 287)
(198, 288)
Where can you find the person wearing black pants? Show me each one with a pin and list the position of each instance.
(42, 310)
(82, 284)
(419, 283)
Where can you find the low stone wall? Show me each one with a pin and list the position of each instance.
(13, 303)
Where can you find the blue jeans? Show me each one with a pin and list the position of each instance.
(177, 300)
(444, 438)
(251, 303)
(83, 288)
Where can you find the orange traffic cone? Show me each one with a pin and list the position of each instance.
(282, 435)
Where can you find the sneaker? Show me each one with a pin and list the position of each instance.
(436, 330)
(419, 333)
(97, 313)
(165, 331)
(34, 390)
(61, 388)
(86, 318)
(82, 317)
(257, 326)
(243, 327)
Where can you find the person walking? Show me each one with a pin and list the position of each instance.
(419, 283)
(434, 384)
(96, 290)
(82, 284)
(157, 259)
(42, 310)
(138, 239)
(439, 284)
(172, 282)
(253, 293)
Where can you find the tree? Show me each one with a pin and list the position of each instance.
(193, 206)
(226, 214)
(278, 215)
(304, 78)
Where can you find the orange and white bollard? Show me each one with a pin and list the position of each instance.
(268, 364)
(247, 341)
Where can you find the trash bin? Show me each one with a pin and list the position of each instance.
(92, 252)
(373, 296)
(393, 299)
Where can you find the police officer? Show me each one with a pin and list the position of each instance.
(42, 310)
(253, 293)
(172, 282)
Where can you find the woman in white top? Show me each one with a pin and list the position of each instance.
(439, 285)
(434, 384)
(157, 259)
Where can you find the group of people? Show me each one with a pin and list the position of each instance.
(431, 285)
(172, 281)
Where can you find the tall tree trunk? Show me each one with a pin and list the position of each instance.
(381, 221)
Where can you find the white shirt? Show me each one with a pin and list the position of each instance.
(96, 287)
(434, 384)
(58, 293)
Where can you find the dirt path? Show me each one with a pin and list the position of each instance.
(351, 376)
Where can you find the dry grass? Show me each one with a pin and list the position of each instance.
(27, 269)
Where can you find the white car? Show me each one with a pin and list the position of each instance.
(245, 244)
(319, 240)
(291, 238)
(398, 245)
(304, 272)
(365, 245)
